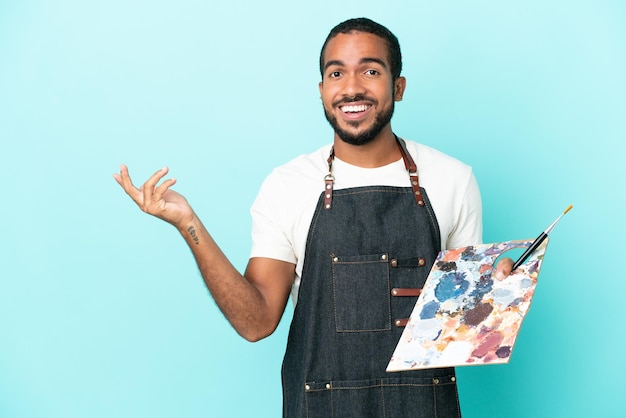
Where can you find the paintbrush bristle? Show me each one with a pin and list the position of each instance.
(568, 209)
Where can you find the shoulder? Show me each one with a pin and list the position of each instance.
(453, 193)
(284, 206)
(304, 168)
(439, 170)
(430, 160)
(295, 183)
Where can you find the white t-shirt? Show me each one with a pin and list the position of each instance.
(284, 207)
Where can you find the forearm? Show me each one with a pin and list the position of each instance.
(243, 304)
(253, 304)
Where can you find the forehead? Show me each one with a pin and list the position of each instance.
(354, 46)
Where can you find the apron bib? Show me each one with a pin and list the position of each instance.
(368, 253)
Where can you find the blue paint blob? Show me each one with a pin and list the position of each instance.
(438, 334)
(451, 285)
(525, 283)
(483, 286)
(469, 254)
(429, 310)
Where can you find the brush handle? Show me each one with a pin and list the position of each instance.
(536, 243)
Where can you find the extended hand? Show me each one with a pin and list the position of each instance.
(157, 200)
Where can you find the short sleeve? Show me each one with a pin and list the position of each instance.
(269, 238)
(468, 229)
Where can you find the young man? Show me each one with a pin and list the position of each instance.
(351, 232)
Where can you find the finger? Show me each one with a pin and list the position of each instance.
(162, 188)
(504, 267)
(148, 187)
(123, 179)
(118, 176)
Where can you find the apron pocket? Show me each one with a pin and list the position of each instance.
(391, 398)
(361, 293)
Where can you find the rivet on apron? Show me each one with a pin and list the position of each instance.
(384, 256)
(328, 197)
(336, 259)
(421, 261)
(394, 263)
(307, 387)
(453, 379)
(436, 381)
(327, 385)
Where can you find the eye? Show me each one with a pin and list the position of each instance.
(371, 72)
(334, 74)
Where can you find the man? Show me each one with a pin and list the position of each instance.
(351, 232)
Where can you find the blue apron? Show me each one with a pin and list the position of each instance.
(368, 253)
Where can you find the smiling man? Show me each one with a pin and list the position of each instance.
(350, 231)
(357, 76)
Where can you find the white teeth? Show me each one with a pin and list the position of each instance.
(354, 109)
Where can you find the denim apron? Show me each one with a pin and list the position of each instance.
(368, 252)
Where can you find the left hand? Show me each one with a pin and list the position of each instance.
(504, 267)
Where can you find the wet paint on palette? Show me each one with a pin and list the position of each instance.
(464, 316)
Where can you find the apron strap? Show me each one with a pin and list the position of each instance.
(412, 169)
(329, 179)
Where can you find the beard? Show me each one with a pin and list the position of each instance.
(380, 121)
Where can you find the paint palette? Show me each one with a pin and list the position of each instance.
(465, 316)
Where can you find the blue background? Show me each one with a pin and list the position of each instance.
(102, 310)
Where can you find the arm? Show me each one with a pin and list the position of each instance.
(470, 225)
(254, 302)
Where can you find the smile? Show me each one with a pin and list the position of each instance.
(354, 108)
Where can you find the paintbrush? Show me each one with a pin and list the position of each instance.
(539, 240)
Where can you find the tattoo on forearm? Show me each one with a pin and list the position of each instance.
(194, 236)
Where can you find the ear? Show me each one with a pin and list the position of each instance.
(398, 88)
(321, 86)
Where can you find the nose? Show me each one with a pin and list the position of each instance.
(353, 86)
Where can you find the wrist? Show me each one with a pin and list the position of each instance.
(190, 229)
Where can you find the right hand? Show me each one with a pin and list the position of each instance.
(157, 200)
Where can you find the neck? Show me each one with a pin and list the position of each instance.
(381, 151)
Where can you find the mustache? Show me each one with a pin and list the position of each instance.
(352, 99)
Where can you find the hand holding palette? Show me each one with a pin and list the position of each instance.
(465, 315)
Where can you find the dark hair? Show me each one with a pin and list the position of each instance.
(363, 24)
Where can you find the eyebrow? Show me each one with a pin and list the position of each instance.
(364, 60)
